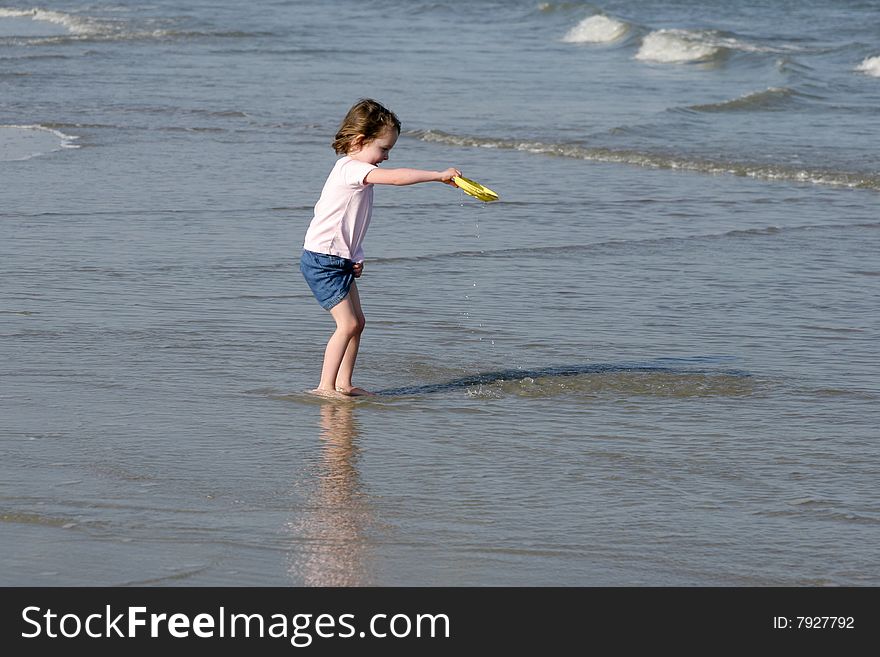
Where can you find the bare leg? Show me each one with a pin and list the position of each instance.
(346, 369)
(349, 324)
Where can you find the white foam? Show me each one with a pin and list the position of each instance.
(597, 29)
(731, 43)
(72, 24)
(870, 66)
(23, 142)
(676, 46)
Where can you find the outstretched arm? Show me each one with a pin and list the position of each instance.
(379, 176)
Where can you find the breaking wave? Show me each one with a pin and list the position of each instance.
(70, 23)
(678, 46)
(870, 66)
(597, 29)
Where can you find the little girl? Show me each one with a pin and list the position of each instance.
(333, 254)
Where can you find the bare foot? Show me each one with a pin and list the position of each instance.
(354, 392)
(329, 394)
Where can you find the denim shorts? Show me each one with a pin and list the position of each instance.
(329, 276)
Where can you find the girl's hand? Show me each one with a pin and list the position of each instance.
(448, 175)
(358, 269)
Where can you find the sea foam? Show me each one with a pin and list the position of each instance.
(64, 27)
(597, 29)
(675, 46)
(23, 142)
(71, 24)
(870, 66)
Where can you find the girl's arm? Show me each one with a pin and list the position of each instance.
(379, 176)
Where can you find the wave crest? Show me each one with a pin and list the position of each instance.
(678, 46)
(597, 29)
(656, 160)
(870, 66)
(73, 24)
(71, 28)
(772, 98)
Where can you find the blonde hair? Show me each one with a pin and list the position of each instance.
(366, 117)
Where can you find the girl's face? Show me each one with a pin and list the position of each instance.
(375, 150)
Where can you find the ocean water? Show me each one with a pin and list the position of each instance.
(653, 362)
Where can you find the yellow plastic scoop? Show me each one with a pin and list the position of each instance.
(475, 189)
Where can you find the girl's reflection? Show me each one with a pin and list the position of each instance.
(334, 522)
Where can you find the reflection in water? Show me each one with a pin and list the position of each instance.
(331, 532)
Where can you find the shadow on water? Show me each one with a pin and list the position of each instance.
(688, 369)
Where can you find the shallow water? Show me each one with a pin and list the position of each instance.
(653, 362)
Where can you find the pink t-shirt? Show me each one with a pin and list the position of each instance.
(342, 214)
